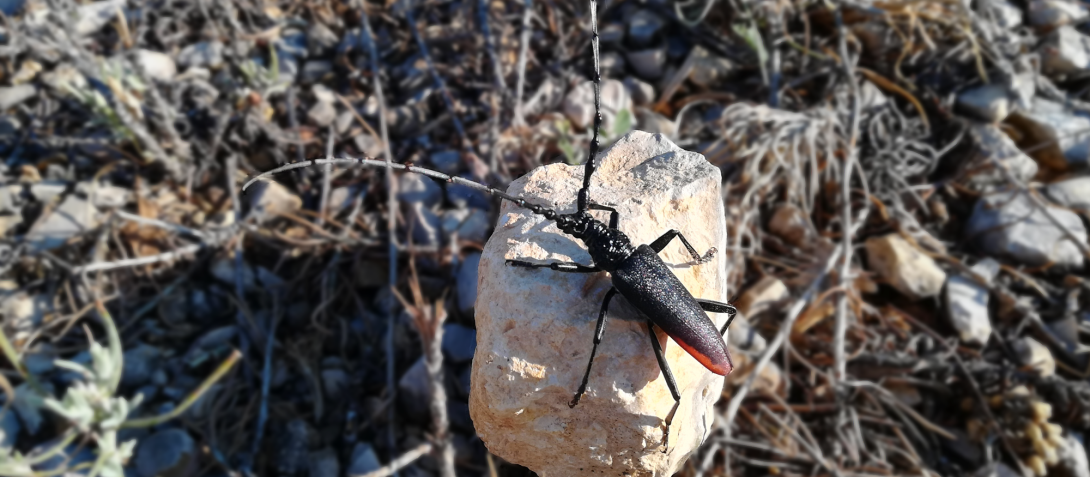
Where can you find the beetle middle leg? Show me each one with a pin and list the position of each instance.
(661, 243)
(670, 383)
(598, 329)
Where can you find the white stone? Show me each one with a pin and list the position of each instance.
(93, 16)
(967, 304)
(204, 54)
(1051, 13)
(579, 104)
(655, 123)
(268, 199)
(648, 64)
(157, 65)
(1035, 355)
(13, 95)
(1073, 460)
(1071, 193)
(904, 266)
(535, 327)
(761, 295)
(1009, 224)
(1065, 51)
(1005, 14)
(1062, 132)
(994, 150)
(990, 102)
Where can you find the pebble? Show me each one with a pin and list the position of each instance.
(643, 27)
(459, 343)
(140, 363)
(158, 66)
(367, 145)
(324, 463)
(467, 282)
(419, 189)
(470, 224)
(578, 105)
(206, 54)
(1035, 355)
(611, 34)
(1005, 14)
(324, 110)
(11, 96)
(1073, 460)
(167, 453)
(994, 151)
(320, 39)
(1046, 14)
(648, 64)
(268, 199)
(641, 92)
(1008, 224)
(447, 161)
(9, 428)
(655, 123)
(1064, 133)
(904, 267)
(414, 391)
(967, 304)
(710, 70)
(363, 460)
(93, 16)
(334, 383)
(1071, 193)
(315, 70)
(989, 103)
(1065, 51)
(74, 216)
(612, 64)
(761, 296)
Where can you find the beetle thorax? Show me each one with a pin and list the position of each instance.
(608, 247)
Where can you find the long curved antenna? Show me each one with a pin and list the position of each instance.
(584, 193)
(381, 164)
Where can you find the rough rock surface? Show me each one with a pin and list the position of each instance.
(535, 327)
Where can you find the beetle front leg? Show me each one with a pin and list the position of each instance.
(661, 243)
(614, 216)
(569, 267)
(670, 383)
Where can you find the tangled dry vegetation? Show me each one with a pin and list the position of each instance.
(905, 185)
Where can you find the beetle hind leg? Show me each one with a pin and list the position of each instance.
(670, 383)
(661, 243)
(719, 307)
(598, 330)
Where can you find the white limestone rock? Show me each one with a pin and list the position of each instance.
(535, 327)
(1009, 224)
(967, 304)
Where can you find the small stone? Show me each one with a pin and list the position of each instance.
(467, 282)
(344, 122)
(334, 383)
(322, 114)
(1009, 224)
(324, 463)
(74, 216)
(1073, 460)
(1035, 355)
(1005, 14)
(205, 54)
(11, 96)
(581, 112)
(1065, 51)
(612, 64)
(744, 337)
(368, 145)
(1071, 193)
(140, 363)
(791, 224)
(1047, 14)
(904, 267)
(643, 27)
(22, 312)
(64, 79)
(474, 225)
(9, 428)
(642, 92)
(770, 381)
(611, 33)
(709, 70)
(459, 343)
(448, 161)
(267, 199)
(417, 188)
(364, 459)
(93, 16)
(157, 65)
(648, 64)
(320, 39)
(989, 103)
(315, 71)
(521, 387)
(768, 291)
(1063, 134)
(967, 304)
(414, 390)
(167, 453)
(994, 151)
(655, 123)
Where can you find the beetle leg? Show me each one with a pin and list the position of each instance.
(670, 383)
(569, 267)
(719, 307)
(614, 217)
(597, 339)
(661, 243)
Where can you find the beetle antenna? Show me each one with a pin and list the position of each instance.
(584, 193)
(549, 213)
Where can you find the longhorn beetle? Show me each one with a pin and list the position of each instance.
(638, 273)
